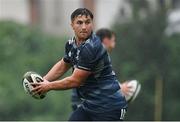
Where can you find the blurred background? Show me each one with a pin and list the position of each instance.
(32, 38)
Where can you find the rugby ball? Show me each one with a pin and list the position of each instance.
(134, 90)
(32, 77)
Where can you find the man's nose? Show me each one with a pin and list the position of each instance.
(84, 26)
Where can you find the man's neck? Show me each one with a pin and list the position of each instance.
(79, 41)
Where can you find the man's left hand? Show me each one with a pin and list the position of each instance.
(41, 88)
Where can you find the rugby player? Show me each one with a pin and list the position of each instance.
(92, 76)
(108, 39)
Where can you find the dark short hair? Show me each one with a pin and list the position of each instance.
(81, 11)
(104, 33)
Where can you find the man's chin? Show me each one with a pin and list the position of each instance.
(84, 37)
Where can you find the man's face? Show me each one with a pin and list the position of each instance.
(109, 43)
(82, 26)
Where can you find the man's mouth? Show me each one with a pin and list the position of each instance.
(84, 32)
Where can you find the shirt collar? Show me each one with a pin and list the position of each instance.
(86, 40)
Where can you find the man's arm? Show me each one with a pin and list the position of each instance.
(73, 81)
(57, 70)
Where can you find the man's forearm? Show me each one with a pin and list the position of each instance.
(66, 83)
(57, 71)
(73, 81)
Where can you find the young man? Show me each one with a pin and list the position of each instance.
(108, 39)
(92, 76)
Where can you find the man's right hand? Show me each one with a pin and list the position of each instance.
(126, 90)
(130, 89)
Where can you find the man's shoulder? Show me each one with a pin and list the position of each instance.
(93, 48)
(93, 43)
(69, 43)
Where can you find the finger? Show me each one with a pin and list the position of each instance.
(130, 92)
(35, 84)
(129, 86)
(129, 89)
(35, 89)
(37, 92)
(125, 93)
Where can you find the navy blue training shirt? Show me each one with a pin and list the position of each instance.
(100, 92)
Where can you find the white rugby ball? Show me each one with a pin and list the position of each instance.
(32, 77)
(134, 90)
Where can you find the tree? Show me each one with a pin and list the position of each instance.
(23, 49)
(147, 54)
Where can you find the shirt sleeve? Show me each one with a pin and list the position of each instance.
(86, 60)
(66, 58)
(89, 57)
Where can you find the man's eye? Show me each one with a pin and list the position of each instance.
(79, 22)
(87, 22)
